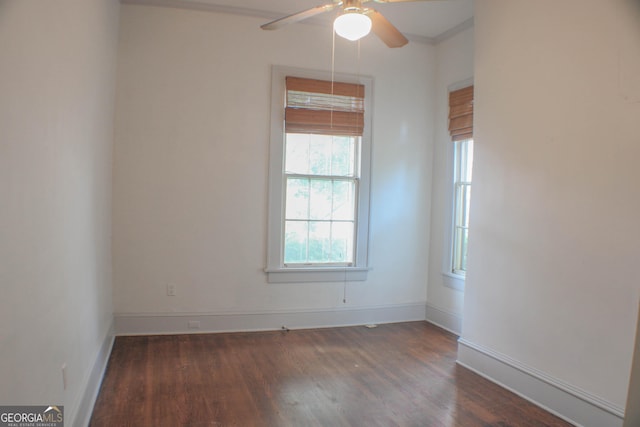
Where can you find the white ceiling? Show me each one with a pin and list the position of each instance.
(419, 20)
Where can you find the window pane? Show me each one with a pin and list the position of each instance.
(320, 199)
(342, 159)
(466, 160)
(465, 200)
(460, 255)
(295, 242)
(343, 200)
(320, 154)
(458, 207)
(469, 160)
(465, 241)
(342, 242)
(297, 205)
(460, 238)
(297, 153)
(319, 241)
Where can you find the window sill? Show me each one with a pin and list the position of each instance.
(316, 274)
(453, 281)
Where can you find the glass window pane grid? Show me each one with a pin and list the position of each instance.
(310, 154)
(304, 245)
(463, 169)
(319, 242)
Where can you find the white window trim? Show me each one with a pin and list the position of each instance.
(450, 279)
(276, 271)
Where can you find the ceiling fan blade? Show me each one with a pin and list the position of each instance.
(385, 29)
(290, 19)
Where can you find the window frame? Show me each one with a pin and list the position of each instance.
(276, 270)
(451, 279)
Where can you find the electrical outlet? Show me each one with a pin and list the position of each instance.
(64, 376)
(194, 324)
(171, 290)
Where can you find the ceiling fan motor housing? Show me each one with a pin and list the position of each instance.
(352, 6)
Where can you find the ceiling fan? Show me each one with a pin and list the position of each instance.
(353, 21)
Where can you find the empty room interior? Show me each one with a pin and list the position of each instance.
(275, 226)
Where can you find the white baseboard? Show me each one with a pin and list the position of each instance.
(444, 319)
(562, 399)
(94, 381)
(179, 323)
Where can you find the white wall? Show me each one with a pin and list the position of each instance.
(454, 65)
(56, 132)
(552, 281)
(632, 411)
(191, 157)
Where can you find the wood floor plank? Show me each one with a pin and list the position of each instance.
(401, 374)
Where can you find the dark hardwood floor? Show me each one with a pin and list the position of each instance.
(401, 374)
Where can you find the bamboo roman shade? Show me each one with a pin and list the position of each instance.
(324, 107)
(461, 113)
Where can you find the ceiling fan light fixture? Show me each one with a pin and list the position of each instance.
(352, 25)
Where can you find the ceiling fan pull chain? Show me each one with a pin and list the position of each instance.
(333, 66)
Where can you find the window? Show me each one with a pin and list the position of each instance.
(463, 160)
(318, 177)
(461, 130)
(321, 183)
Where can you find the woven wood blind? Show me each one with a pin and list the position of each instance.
(461, 114)
(323, 107)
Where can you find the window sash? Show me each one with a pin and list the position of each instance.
(330, 244)
(463, 161)
(310, 217)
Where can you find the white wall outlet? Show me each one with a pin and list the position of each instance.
(64, 376)
(171, 290)
(194, 324)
